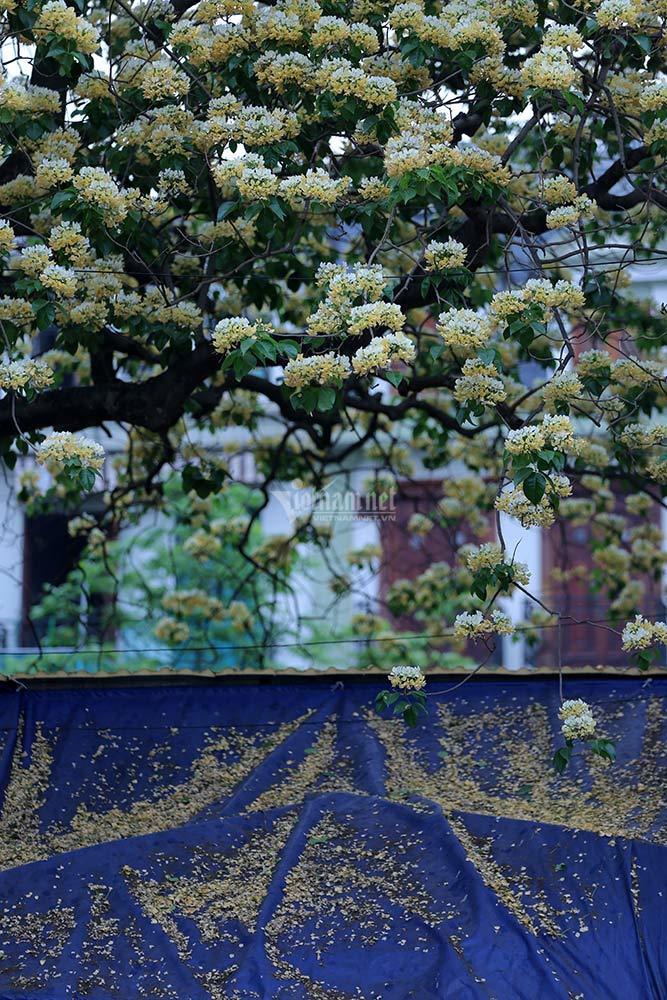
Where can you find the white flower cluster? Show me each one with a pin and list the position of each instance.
(555, 431)
(98, 188)
(642, 633)
(539, 291)
(490, 555)
(516, 504)
(577, 719)
(57, 18)
(382, 351)
(320, 369)
(314, 185)
(561, 389)
(374, 314)
(550, 69)
(352, 303)
(479, 383)
(444, 256)
(343, 79)
(473, 625)
(230, 332)
(172, 630)
(407, 678)
(193, 603)
(25, 374)
(653, 96)
(643, 435)
(62, 446)
(464, 329)
(567, 216)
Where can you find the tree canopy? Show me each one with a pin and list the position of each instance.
(405, 232)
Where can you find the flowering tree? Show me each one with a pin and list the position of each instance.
(348, 228)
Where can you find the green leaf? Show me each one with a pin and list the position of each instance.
(644, 42)
(62, 198)
(604, 748)
(534, 487)
(326, 398)
(277, 209)
(225, 209)
(87, 479)
(411, 716)
(562, 758)
(394, 377)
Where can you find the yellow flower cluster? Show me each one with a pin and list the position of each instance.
(98, 188)
(229, 333)
(562, 388)
(51, 172)
(16, 311)
(62, 446)
(342, 79)
(193, 604)
(320, 369)
(282, 70)
(345, 286)
(473, 625)
(161, 79)
(452, 29)
(25, 374)
(561, 295)
(172, 182)
(329, 31)
(209, 45)
(55, 17)
(559, 191)
(382, 351)
(60, 280)
(202, 545)
(67, 238)
(464, 330)
(374, 314)
(172, 630)
(577, 719)
(489, 556)
(479, 383)
(444, 256)
(7, 236)
(26, 99)
(257, 183)
(253, 125)
(642, 633)
(420, 525)
(407, 678)
(555, 431)
(568, 215)
(643, 435)
(92, 86)
(314, 185)
(33, 259)
(550, 69)
(514, 503)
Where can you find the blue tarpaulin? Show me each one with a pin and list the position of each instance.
(284, 841)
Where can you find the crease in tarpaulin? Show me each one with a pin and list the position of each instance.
(631, 858)
(12, 723)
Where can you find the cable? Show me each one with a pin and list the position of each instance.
(291, 645)
(523, 268)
